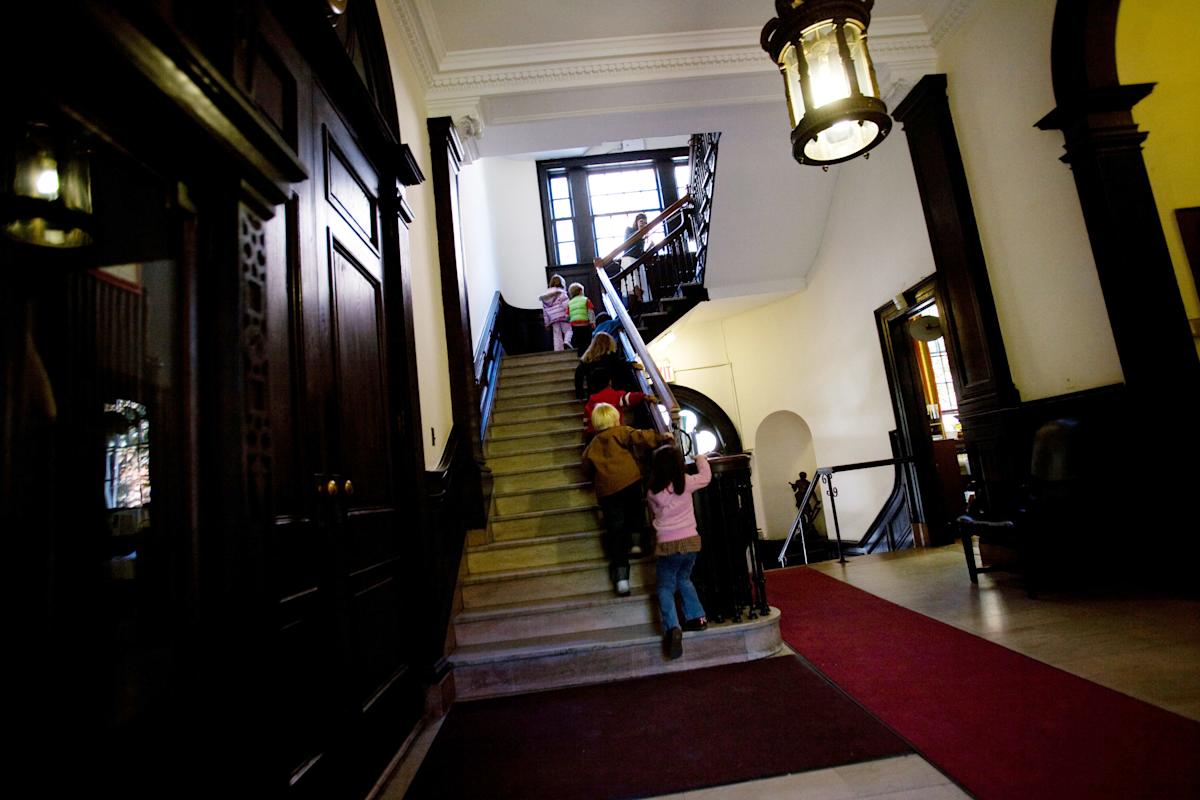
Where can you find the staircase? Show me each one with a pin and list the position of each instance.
(538, 609)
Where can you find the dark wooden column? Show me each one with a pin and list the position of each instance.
(986, 395)
(1104, 148)
(447, 153)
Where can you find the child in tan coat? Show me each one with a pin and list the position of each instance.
(611, 460)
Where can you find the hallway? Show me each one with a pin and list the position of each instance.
(1144, 646)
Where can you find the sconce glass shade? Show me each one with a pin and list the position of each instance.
(46, 195)
(820, 47)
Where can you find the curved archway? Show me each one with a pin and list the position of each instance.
(784, 448)
(1103, 147)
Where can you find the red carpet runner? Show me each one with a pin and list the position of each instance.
(1001, 724)
(650, 736)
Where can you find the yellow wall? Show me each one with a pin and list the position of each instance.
(1155, 44)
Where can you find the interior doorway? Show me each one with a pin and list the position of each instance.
(924, 388)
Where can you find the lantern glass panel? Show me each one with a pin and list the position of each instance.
(789, 65)
(827, 75)
(841, 140)
(856, 41)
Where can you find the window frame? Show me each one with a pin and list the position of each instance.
(576, 172)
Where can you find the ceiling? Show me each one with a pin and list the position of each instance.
(504, 62)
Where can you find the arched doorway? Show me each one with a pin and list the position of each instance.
(784, 447)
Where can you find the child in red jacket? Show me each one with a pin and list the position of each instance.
(618, 398)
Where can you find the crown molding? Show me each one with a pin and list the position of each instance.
(456, 81)
(952, 16)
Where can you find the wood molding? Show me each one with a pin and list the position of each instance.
(965, 289)
(1103, 147)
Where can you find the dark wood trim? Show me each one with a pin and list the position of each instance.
(912, 436)
(987, 397)
(188, 80)
(446, 153)
(1103, 147)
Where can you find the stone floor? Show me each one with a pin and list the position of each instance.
(1145, 646)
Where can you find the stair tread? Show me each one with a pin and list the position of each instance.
(544, 512)
(578, 447)
(527, 470)
(573, 400)
(591, 640)
(561, 603)
(550, 538)
(544, 489)
(536, 572)
(515, 436)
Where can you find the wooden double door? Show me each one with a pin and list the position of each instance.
(343, 534)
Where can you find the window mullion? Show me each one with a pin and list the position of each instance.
(585, 241)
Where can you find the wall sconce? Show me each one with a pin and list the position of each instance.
(820, 46)
(45, 188)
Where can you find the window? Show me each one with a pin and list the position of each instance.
(587, 203)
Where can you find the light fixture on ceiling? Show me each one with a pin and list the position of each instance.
(820, 46)
(45, 187)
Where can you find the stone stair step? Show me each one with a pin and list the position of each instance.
(554, 475)
(551, 456)
(575, 495)
(541, 551)
(520, 443)
(560, 371)
(506, 401)
(603, 656)
(550, 522)
(559, 615)
(537, 411)
(534, 362)
(558, 580)
(550, 423)
(541, 381)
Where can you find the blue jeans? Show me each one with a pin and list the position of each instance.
(675, 572)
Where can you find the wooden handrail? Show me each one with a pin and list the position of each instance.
(661, 390)
(641, 234)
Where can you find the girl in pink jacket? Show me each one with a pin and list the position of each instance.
(670, 500)
(555, 312)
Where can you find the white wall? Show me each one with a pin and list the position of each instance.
(1043, 276)
(429, 327)
(519, 249)
(816, 353)
(478, 248)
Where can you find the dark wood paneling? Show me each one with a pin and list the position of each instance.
(986, 395)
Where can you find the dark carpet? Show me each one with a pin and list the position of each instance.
(1000, 723)
(651, 736)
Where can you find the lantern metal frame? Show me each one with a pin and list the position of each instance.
(796, 17)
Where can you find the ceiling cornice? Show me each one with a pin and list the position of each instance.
(952, 16)
(457, 80)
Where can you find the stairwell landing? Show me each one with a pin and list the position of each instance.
(538, 609)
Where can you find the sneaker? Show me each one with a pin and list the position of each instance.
(636, 550)
(623, 588)
(673, 642)
(697, 624)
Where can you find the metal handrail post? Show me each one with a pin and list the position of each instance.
(837, 529)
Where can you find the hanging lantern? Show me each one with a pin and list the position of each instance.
(46, 190)
(820, 46)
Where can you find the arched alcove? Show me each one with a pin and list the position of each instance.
(784, 448)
